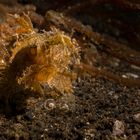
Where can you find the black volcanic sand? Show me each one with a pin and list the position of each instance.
(89, 113)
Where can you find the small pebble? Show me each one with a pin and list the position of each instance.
(89, 134)
(118, 128)
(137, 117)
(135, 67)
(65, 107)
(129, 75)
(29, 116)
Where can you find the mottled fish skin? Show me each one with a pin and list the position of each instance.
(2, 14)
(3, 10)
